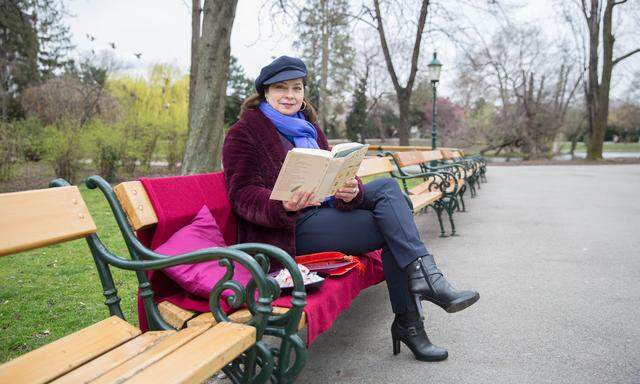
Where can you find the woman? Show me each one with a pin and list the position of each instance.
(358, 219)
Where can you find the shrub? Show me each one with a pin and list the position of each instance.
(106, 148)
(65, 145)
(10, 140)
(31, 131)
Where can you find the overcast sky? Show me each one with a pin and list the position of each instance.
(160, 30)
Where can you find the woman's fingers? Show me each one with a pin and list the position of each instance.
(351, 183)
(300, 200)
(306, 199)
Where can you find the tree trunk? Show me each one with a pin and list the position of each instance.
(404, 104)
(597, 92)
(403, 94)
(196, 20)
(206, 128)
(324, 70)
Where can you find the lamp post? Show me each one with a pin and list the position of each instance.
(434, 75)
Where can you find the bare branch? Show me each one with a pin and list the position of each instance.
(416, 46)
(385, 46)
(626, 55)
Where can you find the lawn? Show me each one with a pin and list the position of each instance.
(50, 292)
(607, 147)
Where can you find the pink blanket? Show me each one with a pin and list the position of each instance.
(176, 200)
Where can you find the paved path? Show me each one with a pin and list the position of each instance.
(555, 254)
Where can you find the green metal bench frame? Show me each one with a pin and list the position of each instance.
(276, 363)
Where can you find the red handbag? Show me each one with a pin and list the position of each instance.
(331, 263)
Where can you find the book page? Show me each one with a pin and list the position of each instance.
(345, 148)
(348, 168)
(324, 190)
(300, 171)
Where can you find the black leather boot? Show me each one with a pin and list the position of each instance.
(426, 282)
(408, 328)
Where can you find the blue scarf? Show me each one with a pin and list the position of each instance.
(294, 127)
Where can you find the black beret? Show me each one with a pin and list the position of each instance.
(281, 69)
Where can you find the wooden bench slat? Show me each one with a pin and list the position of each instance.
(174, 315)
(374, 166)
(59, 357)
(432, 155)
(405, 159)
(244, 315)
(136, 204)
(33, 219)
(110, 360)
(422, 200)
(422, 187)
(240, 316)
(161, 349)
(202, 357)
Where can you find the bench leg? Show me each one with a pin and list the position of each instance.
(461, 194)
(453, 204)
(438, 208)
(472, 186)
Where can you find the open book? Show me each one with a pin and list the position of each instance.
(318, 170)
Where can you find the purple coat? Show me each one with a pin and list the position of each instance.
(252, 156)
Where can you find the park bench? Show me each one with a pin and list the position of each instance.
(112, 350)
(142, 215)
(450, 178)
(432, 193)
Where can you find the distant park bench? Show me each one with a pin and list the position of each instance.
(433, 195)
(443, 176)
(112, 350)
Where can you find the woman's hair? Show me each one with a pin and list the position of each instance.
(254, 100)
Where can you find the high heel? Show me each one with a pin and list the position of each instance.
(396, 344)
(427, 282)
(408, 329)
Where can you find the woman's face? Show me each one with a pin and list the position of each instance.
(286, 96)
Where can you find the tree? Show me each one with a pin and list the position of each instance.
(35, 45)
(599, 19)
(451, 128)
(239, 87)
(54, 37)
(208, 93)
(531, 106)
(66, 105)
(357, 124)
(18, 55)
(326, 49)
(403, 93)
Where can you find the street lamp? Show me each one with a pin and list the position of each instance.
(434, 75)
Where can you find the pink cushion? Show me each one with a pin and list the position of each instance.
(202, 232)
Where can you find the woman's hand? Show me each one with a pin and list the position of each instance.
(348, 191)
(300, 200)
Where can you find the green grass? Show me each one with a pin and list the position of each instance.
(607, 147)
(50, 292)
(580, 147)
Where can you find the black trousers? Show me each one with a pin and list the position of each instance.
(383, 221)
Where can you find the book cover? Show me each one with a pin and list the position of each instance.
(318, 170)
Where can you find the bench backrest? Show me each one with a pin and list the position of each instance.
(405, 159)
(136, 204)
(139, 211)
(432, 155)
(398, 148)
(449, 154)
(375, 165)
(37, 218)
